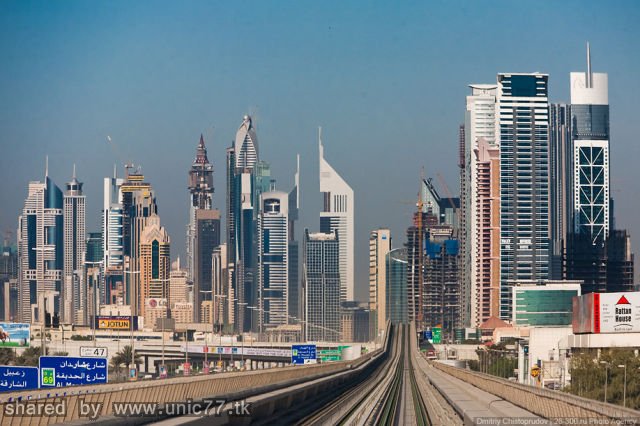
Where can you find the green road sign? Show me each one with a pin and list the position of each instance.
(330, 358)
(437, 335)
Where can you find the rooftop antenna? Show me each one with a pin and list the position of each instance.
(46, 167)
(589, 75)
(74, 171)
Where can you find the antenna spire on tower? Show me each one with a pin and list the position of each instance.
(589, 74)
(46, 167)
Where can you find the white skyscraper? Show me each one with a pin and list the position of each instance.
(74, 293)
(273, 260)
(337, 215)
(112, 225)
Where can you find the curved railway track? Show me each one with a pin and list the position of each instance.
(389, 396)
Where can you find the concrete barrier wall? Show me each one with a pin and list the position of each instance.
(542, 402)
(167, 390)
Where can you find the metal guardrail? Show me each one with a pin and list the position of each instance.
(542, 402)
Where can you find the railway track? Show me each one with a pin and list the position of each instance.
(390, 396)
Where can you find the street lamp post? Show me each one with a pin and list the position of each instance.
(606, 378)
(242, 340)
(624, 391)
(133, 352)
(95, 302)
(216, 316)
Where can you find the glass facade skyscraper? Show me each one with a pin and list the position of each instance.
(242, 211)
(41, 252)
(523, 134)
(321, 287)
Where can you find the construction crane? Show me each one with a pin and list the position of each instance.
(446, 191)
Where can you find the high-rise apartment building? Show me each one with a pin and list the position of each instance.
(203, 232)
(242, 158)
(379, 248)
(155, 265)
(485, 232)
(41, 251)
(523, 135)
(73, 291)
(273, 260)
(321, 286)
(337, 215)
(476, 162)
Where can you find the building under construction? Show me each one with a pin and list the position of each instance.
(441, 294)
(433, 282)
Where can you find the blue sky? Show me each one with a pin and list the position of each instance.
(387, 82)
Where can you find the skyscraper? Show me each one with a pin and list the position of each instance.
(595, 253)
(590, 133)
(155, 265)
(379, 247)
(73, 294)
(242, 158)
(560, 180)
(480, 125)
(441, 300)
(273, 260)
(485, 243)
(138, 205)
(337, 215)
(203, 234)
(41, 251)
(294, 246)
(523, 134)
(321, 286)
(112, 288)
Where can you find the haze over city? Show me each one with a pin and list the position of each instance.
(386, 83)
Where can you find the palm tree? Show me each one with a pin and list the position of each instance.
(126, 354)
(116, 364)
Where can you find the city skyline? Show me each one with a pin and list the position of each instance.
(404, 133)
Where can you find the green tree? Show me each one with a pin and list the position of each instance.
(589, 374)
(117, 361)
(29, 357)
(7, 356)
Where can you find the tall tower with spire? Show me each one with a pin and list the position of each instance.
(73, 294)
(242, 208)
(203, 231)
(40, 252)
